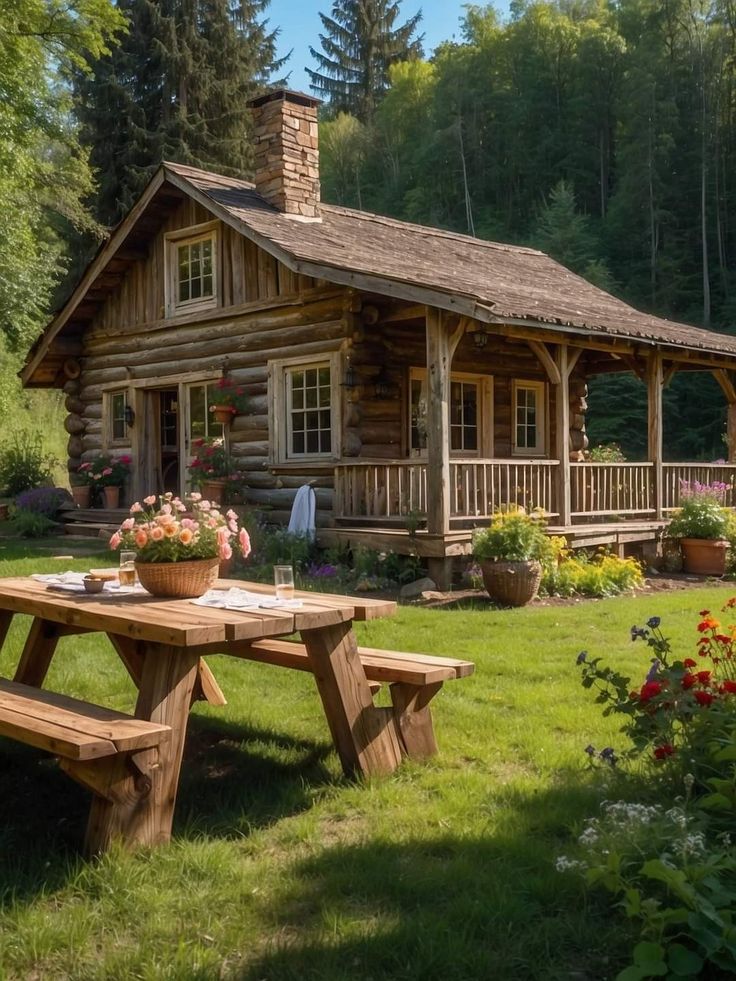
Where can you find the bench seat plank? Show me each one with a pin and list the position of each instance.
(379, 665)
(70, 727)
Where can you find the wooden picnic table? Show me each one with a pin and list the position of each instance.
(161, 644)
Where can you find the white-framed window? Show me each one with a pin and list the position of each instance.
(304, 405)
(529, 418)
(192, 269)
(114, 413)
(471, 413)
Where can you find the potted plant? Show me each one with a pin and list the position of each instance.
(509, 552)
(109, 473)
(179, 544)
(702, 526)
(213, 470)
(230, 400)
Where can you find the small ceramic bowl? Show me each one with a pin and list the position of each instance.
(93, 585)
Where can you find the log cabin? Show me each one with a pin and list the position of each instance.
(416, 377)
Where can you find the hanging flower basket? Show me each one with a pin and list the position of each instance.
(178, 580)
(223, 414)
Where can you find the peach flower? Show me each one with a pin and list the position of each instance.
(157, 533)
(141, 538)
(170, 530)
(186, 536)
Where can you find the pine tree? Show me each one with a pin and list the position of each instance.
(361, 41)
(175, 89)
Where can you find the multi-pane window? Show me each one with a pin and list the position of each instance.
(117, 405)
(195, 279)
(528, 418)
(309, 410)
(202, 424)
(464, 416)
(470, 413)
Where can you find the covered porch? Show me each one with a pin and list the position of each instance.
(429, 506)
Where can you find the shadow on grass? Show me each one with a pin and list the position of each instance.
(235, 778)
(449, 907)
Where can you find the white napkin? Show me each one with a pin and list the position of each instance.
(73, 582)
(241, 599)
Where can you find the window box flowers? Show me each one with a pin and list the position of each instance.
(509, 552)
(179, 544)
(230, 400)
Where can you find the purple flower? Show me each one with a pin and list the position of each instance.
(653, 671)
(639, 632)
(590, 750)
(609, 755)
(654, 622)
(582, 657)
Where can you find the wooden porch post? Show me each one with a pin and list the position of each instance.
(438, 423)
(439, 356)
(654, 393)
(562, 434)
(725, 380)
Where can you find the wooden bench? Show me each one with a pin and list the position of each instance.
(108, 752)
(413, 679)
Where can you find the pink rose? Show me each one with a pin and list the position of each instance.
(151, 499)
(244, 541)
(165, 509)
(187, 523)
(128, 524)
(196, 496)
(225, 551)
(107, 471)
(115, 540)
(136, 508)
(231, 515)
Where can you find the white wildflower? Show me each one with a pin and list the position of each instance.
(565, 864)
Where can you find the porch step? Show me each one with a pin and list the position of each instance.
(93, 522)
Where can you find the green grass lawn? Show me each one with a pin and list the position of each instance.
(281, 869)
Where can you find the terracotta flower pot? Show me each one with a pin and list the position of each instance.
(214, 490)
(704, 556)
(112, 496)
(223, 414)
(512, 583)
(81, 495)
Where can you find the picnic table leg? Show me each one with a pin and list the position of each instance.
(414, 717)
(167, 680)
(38, 651)
(6, 618)
(130, 652)
(365, 736)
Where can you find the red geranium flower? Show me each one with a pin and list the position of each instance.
(649, 690)
(688, 680)
(703, 697)
(689, 663)
(704, 677)
(662, 752)
(729, 687)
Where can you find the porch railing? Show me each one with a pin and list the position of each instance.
(704, 473)
(611, 488)
(396, 489)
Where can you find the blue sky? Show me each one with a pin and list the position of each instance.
(300, 26)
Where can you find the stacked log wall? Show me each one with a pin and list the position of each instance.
(264, 312)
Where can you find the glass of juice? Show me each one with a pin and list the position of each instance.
(283, 577)
(126, 573)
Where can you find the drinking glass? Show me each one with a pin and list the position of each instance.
(126, 573)
(283, 577)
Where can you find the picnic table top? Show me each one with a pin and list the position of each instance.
(180, 622)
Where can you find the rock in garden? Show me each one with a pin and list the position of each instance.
(416, 588)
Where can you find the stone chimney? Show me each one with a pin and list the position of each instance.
(287, 152)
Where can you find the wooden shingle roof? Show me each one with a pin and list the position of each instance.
(499, 283)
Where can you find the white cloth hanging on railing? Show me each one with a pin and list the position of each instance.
(303, 511)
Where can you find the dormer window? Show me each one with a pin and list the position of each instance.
(191, 256)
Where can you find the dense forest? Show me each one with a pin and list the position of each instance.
(602, 132)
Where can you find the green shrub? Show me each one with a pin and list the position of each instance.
(583, 574)
(702, 514)
(30, 524)
(24, 464)
(512, 536)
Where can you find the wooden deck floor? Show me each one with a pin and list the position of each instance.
(457, 542)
